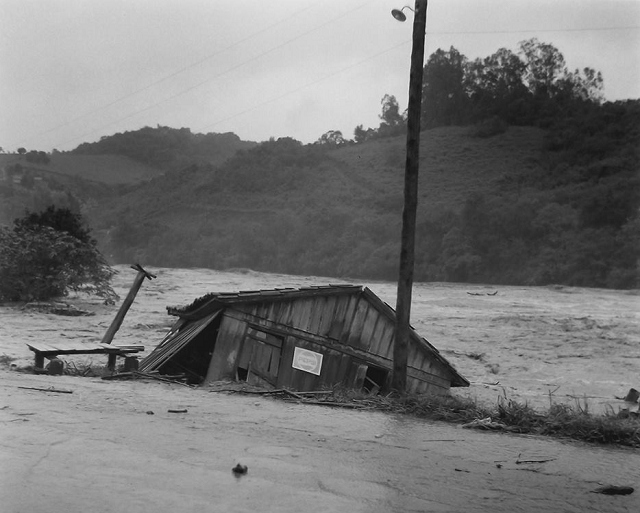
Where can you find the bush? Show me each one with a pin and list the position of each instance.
(39, 262)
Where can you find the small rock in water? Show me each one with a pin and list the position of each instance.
(55, 367)
(239, 470)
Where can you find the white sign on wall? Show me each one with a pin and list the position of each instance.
(307, 361)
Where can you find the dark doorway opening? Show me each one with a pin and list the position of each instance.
(241, 374)
(374, 379)
(192, 361)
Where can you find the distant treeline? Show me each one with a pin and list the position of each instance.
(166, 147)
(531, 87)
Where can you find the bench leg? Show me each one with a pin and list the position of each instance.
(111, 364)
(39, 363)
(55, 367)
(130, 363)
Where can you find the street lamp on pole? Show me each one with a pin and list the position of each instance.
(412, 164)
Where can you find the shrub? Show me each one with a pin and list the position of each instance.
(39, 262)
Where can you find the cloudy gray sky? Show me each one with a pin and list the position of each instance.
(76, 70)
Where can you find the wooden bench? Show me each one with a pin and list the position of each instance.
(51, 350)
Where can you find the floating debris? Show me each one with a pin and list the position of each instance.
(239, 470)
(614, 490)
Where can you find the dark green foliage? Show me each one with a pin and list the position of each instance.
(533, 87)
(550, 216)
(37, 157)
(392, 122)
(47, 255)
(165, 146)
(574, 221)
(444, 99)
(332, 138)
(60, 219)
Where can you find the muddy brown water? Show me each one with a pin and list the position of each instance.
(538, 345)
(99, 449)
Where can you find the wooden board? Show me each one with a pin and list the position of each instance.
(382, 337)
(365, 337)
(348, 319)
(67, 347)
(317, 310)
(354, 338)
(328, 315)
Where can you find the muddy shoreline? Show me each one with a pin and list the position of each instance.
(116, 445)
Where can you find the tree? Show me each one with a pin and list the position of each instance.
(361, 135)
(393, 123)
(37, 157)
(22, 151)
(545, 65)
(60, 219)
(495, 85)
(40, 262)
(586, 85)
(390, 111)
(332, 138)
(444, 97)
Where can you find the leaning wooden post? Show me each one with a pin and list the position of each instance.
(126, 304)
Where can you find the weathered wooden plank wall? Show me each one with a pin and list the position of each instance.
(227, 349)
(348, 330)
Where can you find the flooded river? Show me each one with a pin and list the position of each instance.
(113, 447)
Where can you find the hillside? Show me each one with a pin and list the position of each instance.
(453, 164)
(167, 148)
(487, 212)
(66, 180)
(106, 169)
(94, 173)
(509, 205)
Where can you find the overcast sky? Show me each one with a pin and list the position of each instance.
(73, 71)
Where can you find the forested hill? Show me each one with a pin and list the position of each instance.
(516, 205)
(167, 148)
(527, 176)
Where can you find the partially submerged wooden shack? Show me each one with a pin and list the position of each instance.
(302, 339)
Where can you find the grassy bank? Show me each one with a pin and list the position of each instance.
(560, 420)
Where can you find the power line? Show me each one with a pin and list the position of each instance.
(292, 91)
(279, 97)
(177, 72)
(219, 75)
(239, 65)
(590, 29)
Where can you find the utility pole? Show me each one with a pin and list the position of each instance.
(412, 165)
(126, 304)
